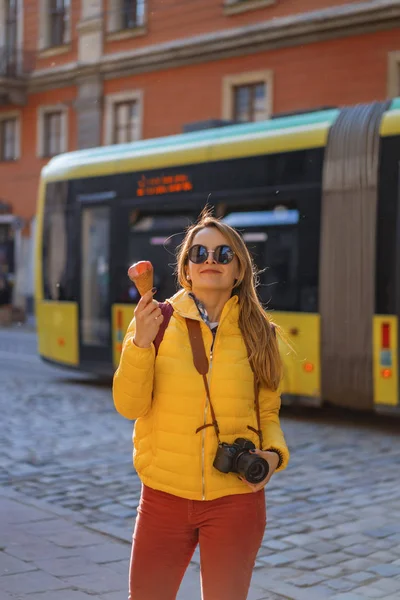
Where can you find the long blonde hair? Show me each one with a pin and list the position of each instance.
(256, 327)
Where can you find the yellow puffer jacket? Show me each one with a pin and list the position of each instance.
(167, 397)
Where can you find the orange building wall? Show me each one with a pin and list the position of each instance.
(336, 72)
(31, 36)
(333, 73)
(175, 19)
(19, 179)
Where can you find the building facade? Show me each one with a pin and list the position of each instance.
(81, 73)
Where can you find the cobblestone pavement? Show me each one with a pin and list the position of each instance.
(333, 516)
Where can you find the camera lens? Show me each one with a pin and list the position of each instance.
(257, 472)
(252, 467)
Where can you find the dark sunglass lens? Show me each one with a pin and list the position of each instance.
(224, 255)
(198, 254)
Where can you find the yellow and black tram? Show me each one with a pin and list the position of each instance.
(316, 197)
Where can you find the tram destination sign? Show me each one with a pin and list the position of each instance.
(159, 185)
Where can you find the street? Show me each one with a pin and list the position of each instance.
(333, 516)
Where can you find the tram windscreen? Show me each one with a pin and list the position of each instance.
(154, 238)
(272, 238)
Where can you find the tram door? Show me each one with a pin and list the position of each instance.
(95, 315)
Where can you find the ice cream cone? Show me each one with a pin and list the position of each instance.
(142, 275)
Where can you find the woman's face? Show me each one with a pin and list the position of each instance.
(211, 275)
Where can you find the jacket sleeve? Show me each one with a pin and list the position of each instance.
(133, 380)
(270, 404)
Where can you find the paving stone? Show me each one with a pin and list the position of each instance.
(359, 564)
(28, 583)
(333, 558)
(310, 564)
(361, 577)
(76, 537)
(74, 565)
(390, 586)
(321, 547)
(342, 585)
(275, 560)
(360, 550)
(12, 513)
(334, 571)
(61, 595)
(299, 539)
(349, 596)
(307, 580)
(121, 567)
(105, 580)
(10, 565)
(122, 595)
(370, 592)
(386, 570)
(41, 549)
(106, 552)
(277, 545)
(43, 528)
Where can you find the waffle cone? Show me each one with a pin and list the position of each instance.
(144, 282)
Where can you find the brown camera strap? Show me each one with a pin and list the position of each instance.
(201, 363)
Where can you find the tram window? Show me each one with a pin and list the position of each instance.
(154, 238)
(58, 242)
(272, 238)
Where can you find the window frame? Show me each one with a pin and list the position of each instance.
(46, 44)
(117, 21)
(113, 100)
(16, 117)
(43, 112)
(252, 87)
(230, 82)
(57, 17)
(117, 126)
(393, 78)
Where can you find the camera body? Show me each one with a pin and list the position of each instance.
(236, 458)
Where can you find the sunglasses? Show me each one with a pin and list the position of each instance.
(223, 255)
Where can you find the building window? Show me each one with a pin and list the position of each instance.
(52, 130)
(394, 74)
(52, 133)
(9, 139)
(132, 12)
(247, 97)
(125, 122)
(58, 21)
(11, 11)
(54, 23)
(125, 15)
(249, 102)
(123, 117)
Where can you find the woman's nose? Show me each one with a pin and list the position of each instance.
(210, 257)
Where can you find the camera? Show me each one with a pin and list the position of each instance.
(235, 458)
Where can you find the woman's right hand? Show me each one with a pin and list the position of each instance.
(148, 319)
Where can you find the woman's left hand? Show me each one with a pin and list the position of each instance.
(272, 459)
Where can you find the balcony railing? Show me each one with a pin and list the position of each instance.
(15, 63)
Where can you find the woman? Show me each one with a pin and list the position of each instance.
(185, 499)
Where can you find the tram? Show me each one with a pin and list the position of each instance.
(316, 197)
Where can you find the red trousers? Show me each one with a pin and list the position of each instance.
(229, 531)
